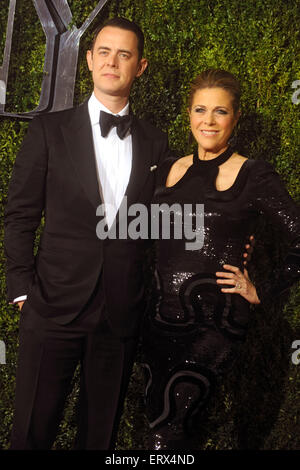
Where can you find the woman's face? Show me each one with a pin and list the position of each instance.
(212, 118)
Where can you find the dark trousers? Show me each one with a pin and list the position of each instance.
(48, 356)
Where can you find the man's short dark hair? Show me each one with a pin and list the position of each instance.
(128, 25)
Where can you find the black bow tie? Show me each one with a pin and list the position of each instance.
(122, 123)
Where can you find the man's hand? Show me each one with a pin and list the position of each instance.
(249, 250)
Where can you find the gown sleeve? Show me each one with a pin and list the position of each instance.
(273, 201)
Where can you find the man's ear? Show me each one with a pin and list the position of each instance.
(143, 64)
(89, 59)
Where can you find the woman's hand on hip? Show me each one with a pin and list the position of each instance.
(239, 282)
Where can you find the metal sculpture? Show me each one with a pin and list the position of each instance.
(61, 55)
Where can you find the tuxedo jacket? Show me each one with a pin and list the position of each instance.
(55, 176)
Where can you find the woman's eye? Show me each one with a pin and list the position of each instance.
(222, 111)
(199, 110)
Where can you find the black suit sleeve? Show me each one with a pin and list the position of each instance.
(165, 151)
(23, 212)
(166, 159)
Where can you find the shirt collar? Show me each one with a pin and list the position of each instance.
(95, 106)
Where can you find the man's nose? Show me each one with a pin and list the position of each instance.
(112, 60)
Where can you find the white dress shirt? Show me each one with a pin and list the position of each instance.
(113, 158)
(113, 161)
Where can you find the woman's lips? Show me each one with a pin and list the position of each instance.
(209, 133)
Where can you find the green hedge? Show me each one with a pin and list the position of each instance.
(258, 406)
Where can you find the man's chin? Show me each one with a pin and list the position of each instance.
(114, 91)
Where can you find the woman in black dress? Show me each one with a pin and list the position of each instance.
(204, 295)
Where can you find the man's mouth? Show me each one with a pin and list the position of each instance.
(110, 75)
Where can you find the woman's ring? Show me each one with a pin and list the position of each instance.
(238, 285)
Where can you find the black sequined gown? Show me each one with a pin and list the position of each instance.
(190, 339)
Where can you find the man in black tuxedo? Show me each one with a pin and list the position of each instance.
(81, 297)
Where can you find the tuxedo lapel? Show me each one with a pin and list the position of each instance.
(79, 142)
(141, 162)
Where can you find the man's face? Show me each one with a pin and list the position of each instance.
(114, 62)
